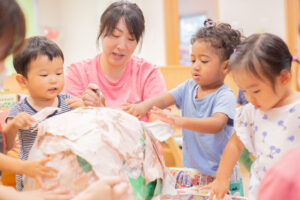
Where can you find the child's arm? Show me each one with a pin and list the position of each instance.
(10, 193)
(33, 168)
(213, 124)
(109, 188)
(139, 110)
(21, 121)
(230, 156)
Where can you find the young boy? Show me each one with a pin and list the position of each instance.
(40, 69)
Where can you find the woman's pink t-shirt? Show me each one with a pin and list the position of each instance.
(140, 81)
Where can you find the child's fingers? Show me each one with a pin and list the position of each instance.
(57, 195)
(69, 101)
(53, 185)
(76, 103)
(158, 114)
(24, 121)
(45, 160)
(154, 108)
(49, 172)
(169, 108)
(211, 196)
(25, 117)
(112, 180)
(220, 196)
(40, 183)
(208, 186)
(119, 190)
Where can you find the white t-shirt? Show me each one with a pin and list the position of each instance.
(267, 135)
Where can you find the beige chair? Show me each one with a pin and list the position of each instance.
(172, 153)
(11, 85)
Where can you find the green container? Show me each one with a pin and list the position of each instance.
(237, 187)
(143, 191)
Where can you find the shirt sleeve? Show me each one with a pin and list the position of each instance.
(225, 103)
(154, 85)
(65, 96)
(14, 111)
(244, 128)
(73, 83)
(178, 94)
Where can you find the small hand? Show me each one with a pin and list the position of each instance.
(45, 195)
(167, 117)
(136, 110)
(23, 121)
(37, 169)
(75, 103)
(218, 188)
(112, 188)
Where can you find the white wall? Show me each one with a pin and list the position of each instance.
(254, 16)
(78, 22)
(193, 7)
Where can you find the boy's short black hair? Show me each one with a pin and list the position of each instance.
(34, 47)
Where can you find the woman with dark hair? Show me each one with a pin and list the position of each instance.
(121, 77)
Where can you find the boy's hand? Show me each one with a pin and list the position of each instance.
(23, 121)
(136, 110)
(166, 117)
(75, 103)
(37, 169)
(218, 189)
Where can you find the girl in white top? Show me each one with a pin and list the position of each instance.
(268, 126)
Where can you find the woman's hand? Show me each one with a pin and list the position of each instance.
(37, 169)
(218, 189)
(93, 98)
(90, 98)
(167, 117)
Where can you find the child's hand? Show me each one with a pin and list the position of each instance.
(218, 189)
(166, 117)
(23, 121)
(112, 188)
(136, 110)
(45, 195)
(37, 169)
(75, 103)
